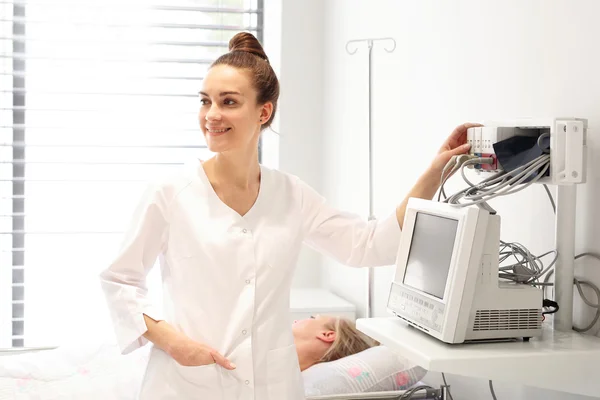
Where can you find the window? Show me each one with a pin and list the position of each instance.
(96, 98)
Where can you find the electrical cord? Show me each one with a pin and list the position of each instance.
(578, 283)
(550, 304)
(501, 184)
(492, 390)
(539, 142)
(493, 393)
(505, 187)
(474, 161)
(528, 267)
(453, 165)
(550, 197)
(409, 394)
(448, 167)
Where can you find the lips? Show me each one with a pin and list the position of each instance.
(217, 131)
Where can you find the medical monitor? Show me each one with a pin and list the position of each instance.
(428, 261)
(446, 281)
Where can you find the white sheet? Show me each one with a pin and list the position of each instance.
(80, 372)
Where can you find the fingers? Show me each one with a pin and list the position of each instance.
(222, 361)
(461, 149)
(462, 129)
(467, 125)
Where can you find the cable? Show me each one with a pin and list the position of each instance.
(505, 186)
(578, 283)
(551, 198)
(528, 268)
(502, 184)
(550, 304)
(447, 386)
(409, 394)
(449, 166)
(545, 150)
(454, 164)
(492, 391)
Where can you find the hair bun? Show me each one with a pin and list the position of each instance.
(247, 42)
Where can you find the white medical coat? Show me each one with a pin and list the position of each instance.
(227, 280)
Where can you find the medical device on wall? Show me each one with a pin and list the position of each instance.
(446, 281)
(562, 138)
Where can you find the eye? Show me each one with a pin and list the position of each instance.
(229, 102)
(204, 101)
(312, 317)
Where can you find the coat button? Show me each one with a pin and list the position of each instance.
(247, 382)
(245, 230)
(248, 281)
(244, 332)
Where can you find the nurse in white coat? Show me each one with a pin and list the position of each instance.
(228, 232)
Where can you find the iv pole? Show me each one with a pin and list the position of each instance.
(370, 42)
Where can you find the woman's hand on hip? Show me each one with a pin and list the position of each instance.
(190, 353)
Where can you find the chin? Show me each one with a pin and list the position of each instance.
(218, 145)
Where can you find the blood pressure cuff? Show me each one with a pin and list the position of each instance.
(517, 151)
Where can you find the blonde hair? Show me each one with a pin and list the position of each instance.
(348, 340)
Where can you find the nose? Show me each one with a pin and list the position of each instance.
(213, 113)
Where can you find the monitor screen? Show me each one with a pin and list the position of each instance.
(430, 254)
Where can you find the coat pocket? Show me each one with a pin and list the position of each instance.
(283, 372)
(202, 382)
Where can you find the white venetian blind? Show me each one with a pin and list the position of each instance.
(96, 98)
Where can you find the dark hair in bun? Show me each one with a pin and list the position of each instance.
(245, 41)
(246, 52)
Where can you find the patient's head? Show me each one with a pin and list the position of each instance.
(322, 339)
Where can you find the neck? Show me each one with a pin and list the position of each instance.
(238, 168)
(309, 354)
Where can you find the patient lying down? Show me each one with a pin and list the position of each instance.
(323, 339)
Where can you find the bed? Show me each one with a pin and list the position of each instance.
(100, 372)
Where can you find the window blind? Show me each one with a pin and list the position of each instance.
(97, 98)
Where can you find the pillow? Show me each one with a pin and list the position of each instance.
(377, 369)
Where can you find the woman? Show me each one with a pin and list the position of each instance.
(323, 339)
(228, 232)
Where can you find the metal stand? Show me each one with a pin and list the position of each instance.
(566, 200)
(445, 393)
(370, 42)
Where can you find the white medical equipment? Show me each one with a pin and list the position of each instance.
(446, 280)
(447, 274)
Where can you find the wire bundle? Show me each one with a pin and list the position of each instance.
(500, 184)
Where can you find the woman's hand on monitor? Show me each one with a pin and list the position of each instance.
(454, 145)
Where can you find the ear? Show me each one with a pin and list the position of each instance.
(265, 112)
(327, 336)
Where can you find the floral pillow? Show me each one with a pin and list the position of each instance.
(377, 369)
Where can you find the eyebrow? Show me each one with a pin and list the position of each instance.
(223, 93)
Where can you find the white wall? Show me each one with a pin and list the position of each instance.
(456, 61)
(297, 57)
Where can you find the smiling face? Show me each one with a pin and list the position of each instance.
(230, 117)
